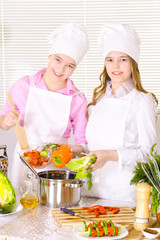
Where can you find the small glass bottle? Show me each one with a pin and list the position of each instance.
(28, 198)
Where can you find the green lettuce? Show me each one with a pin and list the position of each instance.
(83, 168)
(7, 194)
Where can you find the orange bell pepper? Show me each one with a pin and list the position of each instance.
(61, 156)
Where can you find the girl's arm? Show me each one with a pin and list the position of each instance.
(79, 123)
(146, 137)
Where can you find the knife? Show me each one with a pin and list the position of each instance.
(66, 210)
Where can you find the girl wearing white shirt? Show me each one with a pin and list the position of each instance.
(122, 115)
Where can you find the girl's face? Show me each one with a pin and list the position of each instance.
(118, 67)
(60, 67)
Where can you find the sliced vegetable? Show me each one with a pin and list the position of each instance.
(7, 194)
(83, 168)
(101, 232)
(27, 158)
(61, 156)
(105, 231)
(97, 229)
(89, 231)
(110, 231)
(43, 153)
(94, 233)
(85, 225)
(104, 223)
(101, 210)
(34, 158)
(112, 226)
(116, 230)
(94, 225)
(50, 148)
(119, 231)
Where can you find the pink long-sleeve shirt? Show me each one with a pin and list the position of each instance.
(77, 119)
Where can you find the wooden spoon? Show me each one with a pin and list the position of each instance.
(19, 131)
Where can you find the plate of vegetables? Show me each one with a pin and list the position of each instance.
(105, 229)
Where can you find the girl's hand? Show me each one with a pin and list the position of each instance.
(9, 120)
(45, 164)
(102, 157)
(76, 150)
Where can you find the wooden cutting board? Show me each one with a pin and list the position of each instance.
(125, 217)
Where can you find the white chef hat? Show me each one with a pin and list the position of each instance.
(115, 36)
(69, 39)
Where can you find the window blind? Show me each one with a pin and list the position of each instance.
(25, 25)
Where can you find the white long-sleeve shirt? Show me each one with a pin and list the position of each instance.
(112, 181)
(140, 129)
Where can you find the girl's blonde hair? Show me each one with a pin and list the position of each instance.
(99, 91)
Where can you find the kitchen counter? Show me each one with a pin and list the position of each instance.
(39, 224)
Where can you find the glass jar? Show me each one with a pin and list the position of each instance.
(28, 198)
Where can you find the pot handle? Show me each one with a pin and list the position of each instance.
(75, 184)
(28, 165)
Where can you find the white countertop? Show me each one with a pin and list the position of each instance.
(39, 224)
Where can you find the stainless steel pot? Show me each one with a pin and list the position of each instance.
(57, 188)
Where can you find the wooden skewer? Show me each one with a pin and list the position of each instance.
(71, 224)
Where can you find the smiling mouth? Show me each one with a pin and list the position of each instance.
(58, 75)
(116, 73)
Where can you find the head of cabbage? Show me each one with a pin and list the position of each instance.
(7, 194)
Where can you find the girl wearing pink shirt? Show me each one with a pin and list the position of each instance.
(48, 103)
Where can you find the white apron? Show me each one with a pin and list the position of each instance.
(46, 119)
(105, 130)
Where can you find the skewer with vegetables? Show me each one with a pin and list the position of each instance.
(101, 228)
